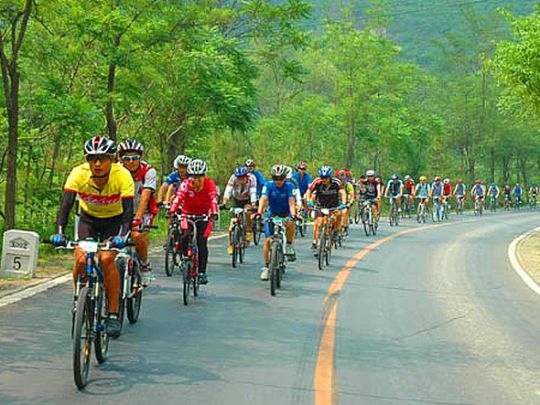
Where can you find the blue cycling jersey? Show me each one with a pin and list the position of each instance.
(303, 182)
(278, 197)
(172, 178)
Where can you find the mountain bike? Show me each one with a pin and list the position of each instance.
(327, 236)
(507, 202)
(238, 235)
(407, 206)
(301, 223)
(459, 204)
(89, 311)
(358, 211)
(532, 201)
(277, 262)
(189, 262)
(492, 203)
(393, 215)
(368, 220)
(257, 228)
(479, 205)
(445, 208)
(421, 211)
(172, 246)
(436, 215)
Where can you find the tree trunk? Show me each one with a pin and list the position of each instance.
(109, 111)
(492, 164)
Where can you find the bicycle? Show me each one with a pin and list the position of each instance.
(327, 236)
(445, 208)
(506, 203)
(358, 211)
(421, 211)
(459, 204)
(478, 206)
(532, 201)
(277, 262)
(369, 223)
(238, 235)
(407, 206)
(301, 223)
(436, 215)
(189, 263)
(257, 228)
(393, 215)
(89, 311)
(492, 204)
(172, 247)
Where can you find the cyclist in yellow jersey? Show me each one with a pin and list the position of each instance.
(105, 190)
(349, 191)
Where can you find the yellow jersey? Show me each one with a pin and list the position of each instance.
(107, 201)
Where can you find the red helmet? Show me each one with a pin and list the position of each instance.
(341, 174)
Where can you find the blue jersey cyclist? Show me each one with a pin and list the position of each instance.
(478, 191)
(436, 191)
(170, 185)
(302, 178)
(278, 197)
(394, 188)
(250, 164)
(518, 193)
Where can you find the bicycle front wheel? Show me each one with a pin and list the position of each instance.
(186, 279)
(235, 253)
(82, 339)
(322, 247)
(257, 231)
(101, 341)
(365, 222)
(274, 267)
(134, 302)
(170, 252)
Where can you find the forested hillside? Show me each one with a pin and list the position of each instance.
(415, 87)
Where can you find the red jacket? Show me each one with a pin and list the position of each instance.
(193, 202)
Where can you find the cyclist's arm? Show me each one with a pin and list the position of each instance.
(263, 203)
(343, 196)
(65, 208)
(170, 193)
(127, 216)
(143, 202)
(162, 192)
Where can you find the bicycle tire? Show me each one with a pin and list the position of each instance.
(302, 228)
(101, 341)
(82, 352)
(273, 267)
(281, 264)
(120, 266)
(367, 229)
(169, 252)
(327, 248)
(357, 214)
(241, 245)
(322, 246)
(234, 257)
(186, 280)
(134, 302)
(256, 230)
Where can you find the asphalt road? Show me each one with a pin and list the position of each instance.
(434, 316)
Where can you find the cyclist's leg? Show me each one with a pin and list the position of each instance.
(316, 228)
(375, 209)
(249, 222)
(268, 231)
(111, 279)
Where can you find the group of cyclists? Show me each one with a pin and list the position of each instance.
(118, 199)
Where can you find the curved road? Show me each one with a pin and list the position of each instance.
(435, 315)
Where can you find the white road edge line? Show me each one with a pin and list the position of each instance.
(31, 291)
(512, 248)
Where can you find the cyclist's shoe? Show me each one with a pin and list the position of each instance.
(113, 326)
(345, 231)
(399, 210)
(230, 249)
(289, 252)
(203, 279)
(315, 249)
(249, 236)
(265, 274)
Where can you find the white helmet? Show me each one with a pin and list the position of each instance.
(446, 180)
(130, 145)
(99, 145)
(181, 160)
(197, 167)
(288, 172)
(279, 170)
(370, 172)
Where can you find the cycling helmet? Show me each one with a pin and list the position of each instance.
(423, 178)
(130, 145)
(437, 178)
(478, 181)
(197, 167)
(460, 180)
(407, 177)
(288, 172)
(250, 163)
(278, 171)
(394, 176)
(241, 171)
(181, 160)
(325, 172)
(340, 173)
(99, 145)
(370, 173)
(446, 180)
(301, 165)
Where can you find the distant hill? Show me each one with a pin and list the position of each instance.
(418, 23)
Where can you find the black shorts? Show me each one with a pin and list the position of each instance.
(240, 203)
(98, 228)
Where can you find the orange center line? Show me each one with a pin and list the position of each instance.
(324, 380)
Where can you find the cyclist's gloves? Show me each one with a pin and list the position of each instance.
(214, 216)
(58, 240)
(136, 223)
(342, 206)
(118, 242)
(310, 204)
(256, 215)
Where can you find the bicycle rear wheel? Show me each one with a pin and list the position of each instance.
(327, 249)
(365, 222)
(241, 245)
(257, 230)
(101, 341)
(134, 302)
(357, 214)
(170, 252)
(235, 252)
(82, 339)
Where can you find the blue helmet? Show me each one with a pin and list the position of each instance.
(325, 172)
(241, 171)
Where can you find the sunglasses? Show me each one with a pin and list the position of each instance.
(278, 178)
(133, 158)
(95, 158)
